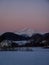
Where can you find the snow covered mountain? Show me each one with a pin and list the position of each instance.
(26, 31)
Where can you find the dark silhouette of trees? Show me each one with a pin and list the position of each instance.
(14, 45)
(36, 40)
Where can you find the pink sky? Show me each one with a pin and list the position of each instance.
(18, 15)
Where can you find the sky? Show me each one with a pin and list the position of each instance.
(18, 14)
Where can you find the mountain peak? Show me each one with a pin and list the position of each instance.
(25, 31)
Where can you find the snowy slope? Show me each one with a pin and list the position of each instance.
(25, 31)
